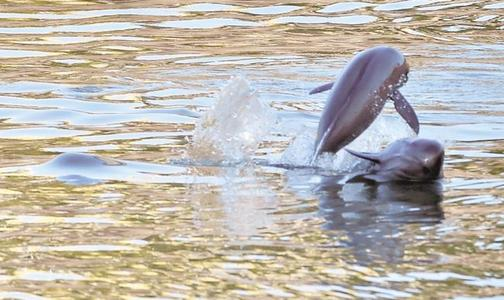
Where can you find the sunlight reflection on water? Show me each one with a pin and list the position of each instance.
(126, 83)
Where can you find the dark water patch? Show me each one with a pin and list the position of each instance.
(374, 217)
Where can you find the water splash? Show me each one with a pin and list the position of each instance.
(234, 127)
(383, 130)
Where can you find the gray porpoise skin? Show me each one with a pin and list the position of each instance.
(409, 159)
(65, 161)
(359, 95)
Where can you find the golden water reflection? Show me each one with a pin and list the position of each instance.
(128, 80)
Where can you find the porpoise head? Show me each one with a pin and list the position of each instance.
(356, 99)
(410, 159)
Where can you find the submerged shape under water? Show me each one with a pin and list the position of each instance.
(86, 169)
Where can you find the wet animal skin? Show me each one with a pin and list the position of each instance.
(359, 95)
(410, 159)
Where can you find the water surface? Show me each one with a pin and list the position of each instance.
(126, 84)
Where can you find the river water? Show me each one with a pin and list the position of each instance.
(155, 215)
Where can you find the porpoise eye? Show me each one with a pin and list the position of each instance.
(425, 170)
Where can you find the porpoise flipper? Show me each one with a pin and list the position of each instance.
(406, 111)
(322, 88)
(374, 157)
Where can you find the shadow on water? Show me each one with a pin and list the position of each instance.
(373, 216)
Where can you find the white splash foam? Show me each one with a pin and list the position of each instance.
(234, 127)
(383, 131)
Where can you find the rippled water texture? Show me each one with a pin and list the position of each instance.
(127, 212)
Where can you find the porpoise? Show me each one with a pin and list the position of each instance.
(409, 159)
(359, 95)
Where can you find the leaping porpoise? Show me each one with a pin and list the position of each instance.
(409, 159)
(359, 95)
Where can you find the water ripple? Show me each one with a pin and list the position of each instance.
(207, 23)
(499, 5)
(344, 6)
(13, 53)
(21, 296)
(272, 10)
(33, 275)
(346, 20)
(85, 14)
(403, 5)
(67, 40)
(207, 7)
(37, 133)
(32, 219)
(447, 6)
(95, 27)
(75, 248)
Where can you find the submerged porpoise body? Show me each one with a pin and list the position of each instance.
(409, 159)
(359, 95)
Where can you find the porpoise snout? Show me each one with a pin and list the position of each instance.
(431, 156)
